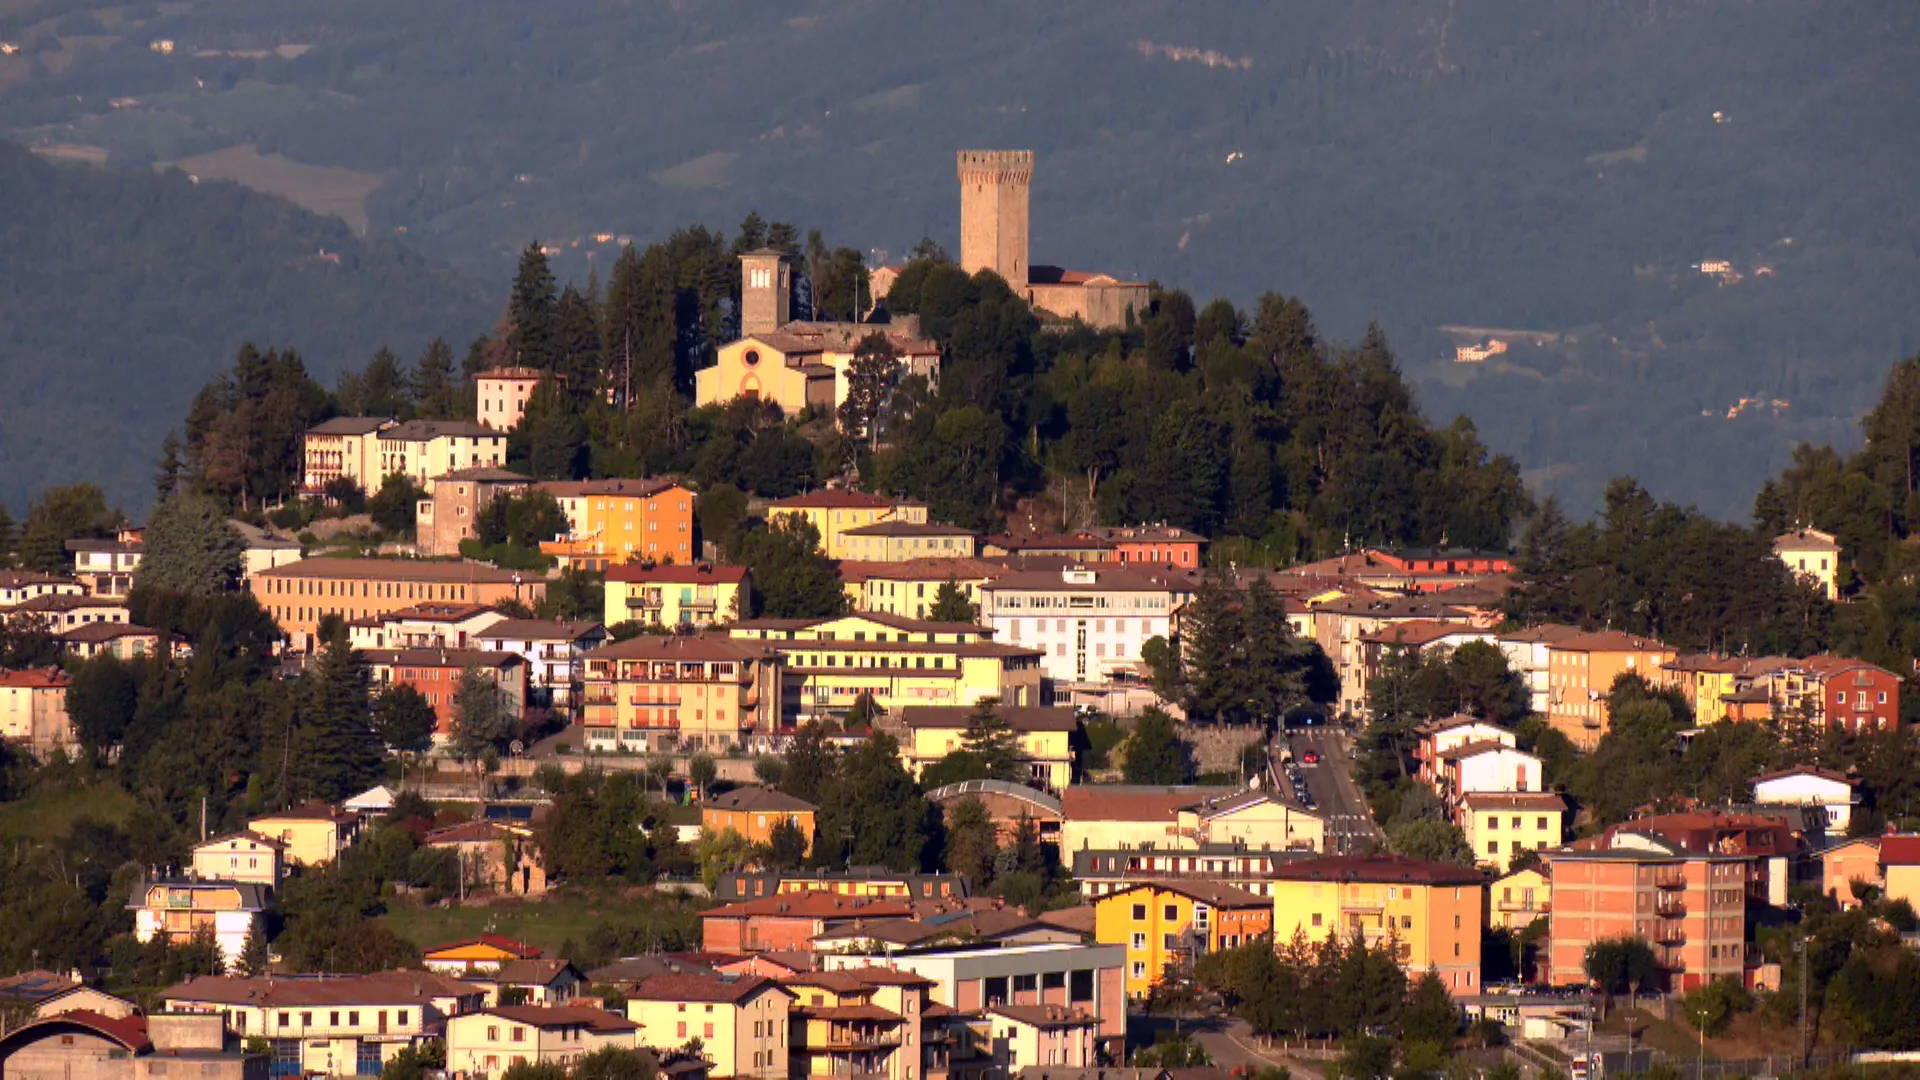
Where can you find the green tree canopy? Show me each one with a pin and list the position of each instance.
(190, 548)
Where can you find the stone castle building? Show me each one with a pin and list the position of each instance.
(995, 186)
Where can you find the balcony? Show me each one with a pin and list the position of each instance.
(1516, 905)
(703, 603)
(1671, 937)
(842, 1038)
(650, 603)
(1670, 906)
(1670, 879)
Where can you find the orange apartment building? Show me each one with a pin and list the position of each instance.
(1581, 670)
(623, 520)
(436, 673)
(1153, 545)
(298, 595)
(1690, 907)
(754, 812)
(703, 690)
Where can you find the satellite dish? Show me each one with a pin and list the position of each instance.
(515, 747)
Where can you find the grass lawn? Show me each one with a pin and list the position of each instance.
(1670, 1037)
(544, 924)
(48, 814)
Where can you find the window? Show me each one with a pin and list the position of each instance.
(1170, 912)
(1316, 918)
(519, 1034)
(1139, 913)
(493, 1033)
(1139, 942)
(1493, 847)
(1139, 970)
(353, 1019)
(1493, 821)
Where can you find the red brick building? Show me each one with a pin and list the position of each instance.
(435, 674)
(1690, 908)
(790, 921)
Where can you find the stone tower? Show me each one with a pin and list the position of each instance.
(766, 291)
(994, 185)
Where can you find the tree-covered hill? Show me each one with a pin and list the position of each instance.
(1559, 166)
(122, 291)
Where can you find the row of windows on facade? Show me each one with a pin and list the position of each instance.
(386, 590)
(1123, 601)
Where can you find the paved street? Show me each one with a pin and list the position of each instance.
(1349, 825)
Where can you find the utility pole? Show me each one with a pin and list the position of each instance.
(1806, 961)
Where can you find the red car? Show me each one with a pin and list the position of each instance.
(1310, 758)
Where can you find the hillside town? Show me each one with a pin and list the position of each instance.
(434, 763)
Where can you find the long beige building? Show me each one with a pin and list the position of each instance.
(301, 594)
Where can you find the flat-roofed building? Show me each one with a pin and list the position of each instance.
(1431, 912)
(301, 594)
(1691, 908)
(973, 978)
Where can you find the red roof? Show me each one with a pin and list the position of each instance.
(814, 905)
(130, 1032)
(836, 500)
(705, 988)
(543, 1017)
(1377, 869)
(37, 678)
(677, 574)
(1900, 850)
(505, 944)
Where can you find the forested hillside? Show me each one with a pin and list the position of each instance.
(1553, 166)
(121, 292)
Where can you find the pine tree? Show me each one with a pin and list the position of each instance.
(992, 741)
(435, 396)
(167, 477)
(871, 377)
(335, 752)
(530, 312)
(482, 719)
(6, 539)
(191, 548)
(950, 604)
(577, 345)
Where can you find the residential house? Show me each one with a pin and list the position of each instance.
(1500, 825)
(1813, 556)
(106, 565)
(1835, 693)
(346, 447)
(910, 588)
(1049, 739)
(1415, 637)
(1527, 657)
(434, 625)
(19, 586)
(859, 1021)
(1810, 785)
(481, 955)
(1900, 867)
(902, 541)
(829, 664)
(262, 550)
(1581, 670)
(1518, 897)
(1485, 767)
(1347, 631)
(754, 812)
(311, 834)
(1436, 737)
(176, 907)
(1050, 1035)
(652, 692)
(1101, 872)
(336, 1025)
(1008, 805)
(1118, 816)
(742, 1023)
(1161, 923)
(790, 921)
(436, 674)
(1846, 861)
(677, 595)
(971, 978)
(299, 595)
(624, 521)
(243, 856)
(57, 613)
(122, 640)
(33, 710)
(492, 1040)
(455, 500)
(552, 650)
(1430, 912)
(833, 513)
(548, 983)
(1691, 907)
(1086, 621)
(974, 926)
(422, 450)
(1152, 545)
(501, 395)
(85, 1044)
(1766, 841)
(1711, 684)
(493, 856)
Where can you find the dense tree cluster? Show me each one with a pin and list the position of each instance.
(1301, 988)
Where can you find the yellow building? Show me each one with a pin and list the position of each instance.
(911, 587)
(241, 856)
(898, 541)
(1813, 556)
(655, 692)
(1515, 900)
(1049, 739)
(829, 664)
(1500, 824)
(344, 447)
(310, 835)
(1431, 912)
(621, 521)
(489, 1042)
(754, 812)
(695, 594)
(1706, 681)
(33, 710)
(833, 513)
(341, 1025)
(1115, 817)
(1163, 922)
(860, 1021)
(742, 1023)
(483, 955)
(424, 449)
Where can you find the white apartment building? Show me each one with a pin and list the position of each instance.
(1087, 621)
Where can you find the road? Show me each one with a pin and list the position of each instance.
(1228, 1041)
(1349, 825)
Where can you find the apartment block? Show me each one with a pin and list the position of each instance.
(1690, 907)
